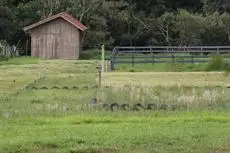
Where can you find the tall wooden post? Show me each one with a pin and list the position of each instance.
(27, 43)
(99, 76)
(102, 62)
(101, 73)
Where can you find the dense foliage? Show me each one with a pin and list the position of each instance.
(126, 22)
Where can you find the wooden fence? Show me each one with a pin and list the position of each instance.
(165, 54)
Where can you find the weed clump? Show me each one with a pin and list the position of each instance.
(132, 70)
(217, 63)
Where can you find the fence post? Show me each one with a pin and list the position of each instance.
(113, 60)
(100, 76)
(173, 58)
(192, 56)
(102, 61)
(133, 58)
(152, 55)
(218, 50)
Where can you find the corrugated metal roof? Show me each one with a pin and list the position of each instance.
(64, 15)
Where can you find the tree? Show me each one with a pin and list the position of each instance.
(188, 28)
(165, 25)
(213, 32)
(7, 23)
(226, 24)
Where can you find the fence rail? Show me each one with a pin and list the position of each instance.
(163, 54)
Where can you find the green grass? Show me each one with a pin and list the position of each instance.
(20, 61)
(44, 108)
(94, 54)
(216, 63)
(100, 133)
(200, 79)
(165, 67)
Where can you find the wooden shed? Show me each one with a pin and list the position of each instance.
(57, 37)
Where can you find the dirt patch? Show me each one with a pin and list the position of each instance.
(93, 151)
(225, 149)
(41, 150)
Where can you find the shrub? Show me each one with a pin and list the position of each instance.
(3, 58)
(132, 70)
(216, 64)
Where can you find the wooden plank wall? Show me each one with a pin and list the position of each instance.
(57, 39)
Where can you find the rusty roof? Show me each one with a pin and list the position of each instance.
(64, 15)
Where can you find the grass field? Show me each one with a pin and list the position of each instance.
(44, 108)
(161, 67)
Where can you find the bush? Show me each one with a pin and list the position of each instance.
(3, 58)
(216, 64)
(132, 70)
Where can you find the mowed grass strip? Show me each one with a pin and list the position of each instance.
(199, 79)
(10, 85)
(14, 77)
(161, 67)
(68, 80)
(106, 133)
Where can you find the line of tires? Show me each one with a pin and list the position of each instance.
(65, 87)
(140, 107)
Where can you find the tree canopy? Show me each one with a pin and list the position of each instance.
(126, 22)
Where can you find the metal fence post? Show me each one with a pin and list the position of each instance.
(133, 58)
(153, 61)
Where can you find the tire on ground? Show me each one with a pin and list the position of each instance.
(151, 107)
(114, 106)
(105, 106)
(163, 107)
(138, 107)
(125, 107)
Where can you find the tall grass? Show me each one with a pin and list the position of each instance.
(193, 97)
(217, 63)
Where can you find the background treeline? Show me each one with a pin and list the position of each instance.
(125, 22)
